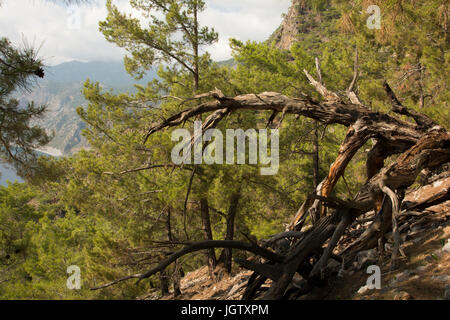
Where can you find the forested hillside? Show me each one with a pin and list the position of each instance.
(362, 116)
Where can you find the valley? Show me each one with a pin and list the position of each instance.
(61, 90)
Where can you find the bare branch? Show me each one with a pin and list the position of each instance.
(267, 270)
(422, 120)
(351, 93)
(395, 211)
(319, 72)
(283, 235)
(109, 284)
(191, 179)
(201, 245)
(327, 94)
(337, 203)
(146, 168)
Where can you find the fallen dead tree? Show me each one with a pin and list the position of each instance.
(421, 145)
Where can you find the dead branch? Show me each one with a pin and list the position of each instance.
(267, 270)
(423, 121)
(201, 245)
(109, 284)
(166, 166)
(326, 94)
(351, 91)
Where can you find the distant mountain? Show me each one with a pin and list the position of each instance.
(230, 63)
(110, 73)
(61, 89)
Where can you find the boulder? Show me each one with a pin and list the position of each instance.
(366, 258)
(428, 195)
(403, 295)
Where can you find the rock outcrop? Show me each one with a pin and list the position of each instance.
(286, 34)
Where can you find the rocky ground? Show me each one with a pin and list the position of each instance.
(423, 274)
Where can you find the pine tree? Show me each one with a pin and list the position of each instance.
(160, 42)
(18, 136)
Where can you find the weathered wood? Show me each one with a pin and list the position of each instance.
(313, 240)
(254, 284)
(423, 121)
(226, 255)
(201, 245)
(207, 234)
(269, 271)
(346, 220)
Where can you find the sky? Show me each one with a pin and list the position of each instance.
(71, 33)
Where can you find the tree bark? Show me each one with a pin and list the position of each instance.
(316, 156)
(164, 283)
(177, 269)
(226, 255)
(207, 235)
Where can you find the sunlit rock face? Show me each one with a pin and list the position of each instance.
(304, 20)
(286, 34)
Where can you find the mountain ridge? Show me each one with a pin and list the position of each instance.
(61, 92)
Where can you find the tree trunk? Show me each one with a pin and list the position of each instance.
(176, 280)
(226, 255)
(207, 235)
(176, 273)
(195, 47)
(316, 214)
(164, 283)
(316, 155)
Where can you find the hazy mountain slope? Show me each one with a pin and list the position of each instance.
(61, 89)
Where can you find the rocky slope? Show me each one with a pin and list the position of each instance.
(304, 21)
(61, 89)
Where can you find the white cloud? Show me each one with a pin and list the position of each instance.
(55, 26)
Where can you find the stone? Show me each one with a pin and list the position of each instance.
(438, 253)
(363, 289)
(427, 194)
(288, 31)
(447, 292)
(403, 295)
(421, 269)
(236, 288)
(402, 276)
(444, 278)
(366, 258)
(446, 247)
(416, 277)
